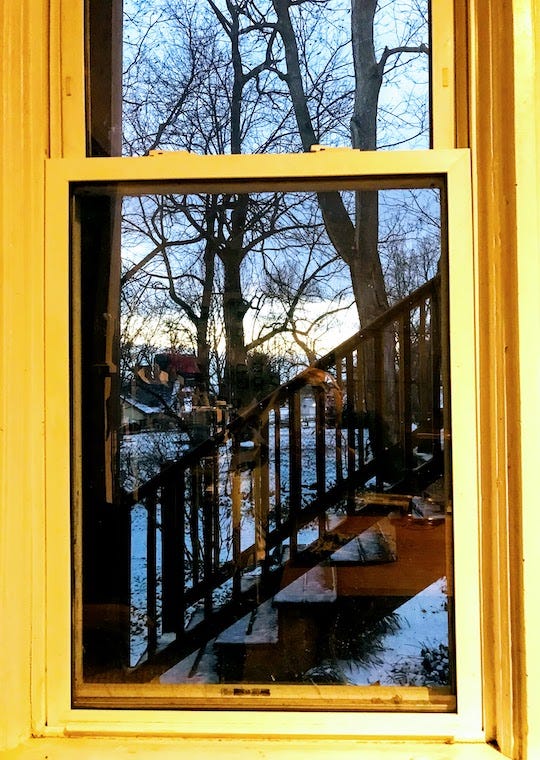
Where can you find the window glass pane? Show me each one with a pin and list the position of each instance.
(262, 489)
(253, 77)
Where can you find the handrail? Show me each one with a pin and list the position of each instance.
(298, 381)
(366, 425)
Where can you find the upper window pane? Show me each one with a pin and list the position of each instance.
(251, 77)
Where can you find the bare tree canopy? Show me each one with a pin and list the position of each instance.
(234, 77)
(216, 76)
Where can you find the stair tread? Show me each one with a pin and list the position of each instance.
(257, 627)
(421, 559)
(198, 667)
(375, 545)
(316, 586)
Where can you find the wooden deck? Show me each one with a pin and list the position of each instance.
(419, 557)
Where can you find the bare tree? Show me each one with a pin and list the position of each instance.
(260, 75)
(355, 239)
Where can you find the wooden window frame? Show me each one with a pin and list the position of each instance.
(69, 110)
(453, 166)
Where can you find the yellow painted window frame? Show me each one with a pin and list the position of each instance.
(454, 167)
(67, 139)
(499, 94)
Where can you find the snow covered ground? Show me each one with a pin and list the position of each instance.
(416, 652)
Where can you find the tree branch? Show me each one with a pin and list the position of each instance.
(387, 52)
(221, 18)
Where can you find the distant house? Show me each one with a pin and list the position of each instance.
(184, 366)
(159, 392)
(135, 415)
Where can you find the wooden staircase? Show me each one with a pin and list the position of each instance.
(374, 445)
(380, 563)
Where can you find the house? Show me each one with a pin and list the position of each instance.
(497, 110)
(135, 415)
(180, 365)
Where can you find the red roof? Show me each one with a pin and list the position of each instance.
(184, 364)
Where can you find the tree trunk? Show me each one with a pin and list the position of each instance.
(356, 243)
(234, 306)
(368, 80)
(209, 259)
(367, 75)
(234, 311)
(232, 253)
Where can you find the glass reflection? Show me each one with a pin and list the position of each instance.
(217, 77)
(266, 465)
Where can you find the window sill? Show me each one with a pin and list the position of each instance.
(237, 749)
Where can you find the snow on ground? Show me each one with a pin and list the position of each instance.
(143, 453)
(404, 655)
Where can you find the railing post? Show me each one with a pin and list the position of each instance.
(295, 470)
(195, 505)
(207, 508)
(338, 421)
(236, 516)
(216, 528)
(262, 502)
(320, 450)
(425, 375)
(440, 361)
(350, 386)
(277, 466)
(404, 394)
(173, 553)
(151, 574)
(361, 401)
(205, 482)
(378, 421)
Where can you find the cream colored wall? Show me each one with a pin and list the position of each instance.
(507, 224)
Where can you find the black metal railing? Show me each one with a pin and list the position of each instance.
(221, 518)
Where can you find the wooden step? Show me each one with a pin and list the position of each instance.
(421, 558)
(259, 627)
(316, 586)
(199, 667)
(387, 502)
(376, 545)
(249, 649)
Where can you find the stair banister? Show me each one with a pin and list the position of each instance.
(187, 491)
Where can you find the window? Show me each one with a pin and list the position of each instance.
(268, 77)
(400, 514)
(108, 200)
(268, 479)
(501, 129)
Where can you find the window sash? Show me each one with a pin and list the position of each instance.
(416, 167)
(68, 85)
